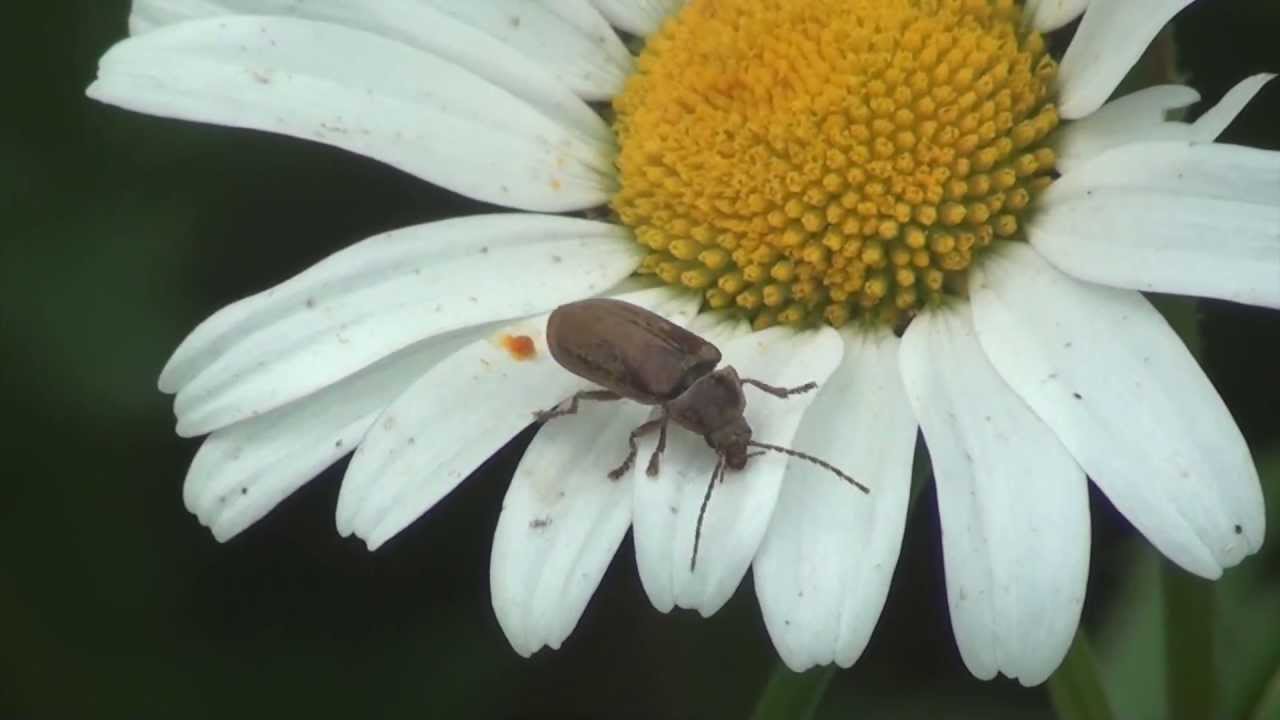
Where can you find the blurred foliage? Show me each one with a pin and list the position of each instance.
(1076, 686)
(793, 696)
(121, 232)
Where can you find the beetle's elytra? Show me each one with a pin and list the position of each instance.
(638, 355)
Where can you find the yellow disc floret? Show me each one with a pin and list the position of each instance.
(834, 160)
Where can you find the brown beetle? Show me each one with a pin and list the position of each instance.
(638, 355)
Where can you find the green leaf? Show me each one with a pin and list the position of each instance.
(1247, 639)
(1129, 642)
(1190, 683)
(793, 696)
(1269, 705)
(1189, 626)
(1183, 315)
(1075, 688)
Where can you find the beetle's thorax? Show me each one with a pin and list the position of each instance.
(712, 407)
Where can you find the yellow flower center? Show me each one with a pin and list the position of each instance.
(833, 159)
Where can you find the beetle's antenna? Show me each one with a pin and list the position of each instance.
(697, 532)
(814, 460)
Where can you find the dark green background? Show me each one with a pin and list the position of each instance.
(121, 232)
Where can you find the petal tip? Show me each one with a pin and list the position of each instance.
(524, 652)
(1033, 680)
(221, 533)
(1208, 571)
(371, 542)
(167, 382)
(344, 517)
(187, 429)
(797, 664)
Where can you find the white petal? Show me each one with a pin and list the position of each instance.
(1114, 382)
(563, 518)
(1184, 169)
(667, 506)
(449, 422)
(147, 15)
(412, 23)
(1111, 38)
(1014, 505)
(1157, 217)
(1048, 15)
(1132, 118)
(824, 566)
(568, 37)
(561, 523)
(1140, 117)
(1210, 125)
(363, 93)
(719, 327)
(243, 471)
(380, 295)
(638, 17)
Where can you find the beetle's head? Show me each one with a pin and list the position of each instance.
(731, 441)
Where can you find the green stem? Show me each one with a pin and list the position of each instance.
(1188, 622)
(1268, 707)
(1075, 688)
(793, 696)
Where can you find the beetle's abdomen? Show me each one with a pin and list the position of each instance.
(627, 349)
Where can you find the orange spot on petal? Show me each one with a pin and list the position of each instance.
(520, 347)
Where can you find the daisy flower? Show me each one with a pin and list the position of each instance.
(796, 181)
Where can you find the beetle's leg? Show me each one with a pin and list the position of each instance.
(662, 446)
(572, 407)
(780, 391)
(642, 429)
